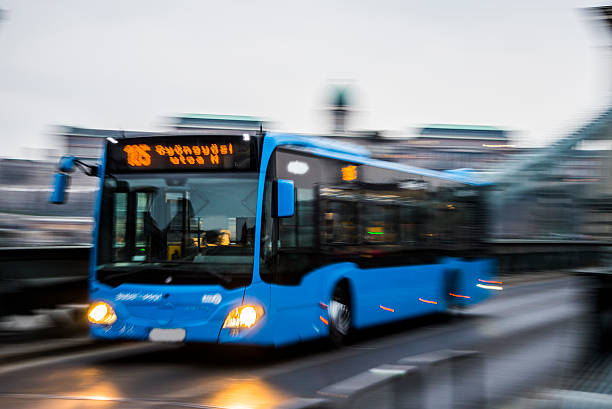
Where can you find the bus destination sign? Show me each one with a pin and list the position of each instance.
(184, 153)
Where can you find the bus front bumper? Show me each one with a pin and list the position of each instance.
(210, 332)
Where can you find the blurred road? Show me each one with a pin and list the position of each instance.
(530, 335)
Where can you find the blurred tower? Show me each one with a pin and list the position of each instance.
(606, 15)
(603, 16)
(340, 110)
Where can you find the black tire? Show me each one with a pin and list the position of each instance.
(340, 316)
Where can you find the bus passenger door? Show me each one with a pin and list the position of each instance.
(296, 286)
(291, 258)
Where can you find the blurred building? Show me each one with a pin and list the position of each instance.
(26, 216)
(444, 147)
(217, 123)
(88, 143)
(439, 147)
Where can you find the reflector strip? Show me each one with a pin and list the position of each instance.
(323, 305)
(427, 301)
(387, 308)
(490, 282)
(324, 320)
(459, 295)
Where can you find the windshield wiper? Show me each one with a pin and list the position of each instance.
(130, 271)
(220, 276)
(166, 267)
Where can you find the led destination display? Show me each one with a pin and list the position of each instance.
(185, 153)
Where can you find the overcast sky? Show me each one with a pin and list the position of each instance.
(535, 67)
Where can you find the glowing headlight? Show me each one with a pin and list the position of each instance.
(244, 316)
(101, 313)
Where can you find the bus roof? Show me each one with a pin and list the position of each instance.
(358, 154)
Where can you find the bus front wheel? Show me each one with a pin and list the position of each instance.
(340, 316)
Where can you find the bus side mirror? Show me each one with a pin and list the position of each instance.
(60, 183)
(285, 198)
(66, 164)
(61, 179)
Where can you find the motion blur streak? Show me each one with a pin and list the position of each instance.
(489, 281)
(490, 287)
(428, 301)
(459, 295)
(387, 308)
(250, 394)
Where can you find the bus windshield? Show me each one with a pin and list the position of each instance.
(177, 229)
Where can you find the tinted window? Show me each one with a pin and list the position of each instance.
(364, 214)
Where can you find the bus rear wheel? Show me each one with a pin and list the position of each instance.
(340, 316)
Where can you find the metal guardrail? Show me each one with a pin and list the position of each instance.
(520, 255)
(36, 266)
(380, 387)
(42, 277)
(432, 380)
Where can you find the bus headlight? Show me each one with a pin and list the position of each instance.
(101, 313)
(244, 316)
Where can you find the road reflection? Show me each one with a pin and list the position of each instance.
(247, 394)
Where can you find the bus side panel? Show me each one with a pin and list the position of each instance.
(475, 273)
(382, 295)
(301, 311)
(378, 295)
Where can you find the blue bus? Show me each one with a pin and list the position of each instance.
(270, 239)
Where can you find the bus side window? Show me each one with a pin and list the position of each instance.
(379, 223)
(305, 217)
(298, 231)
(297, 240)
(407, 225)
(339, 222)
(423, 226)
